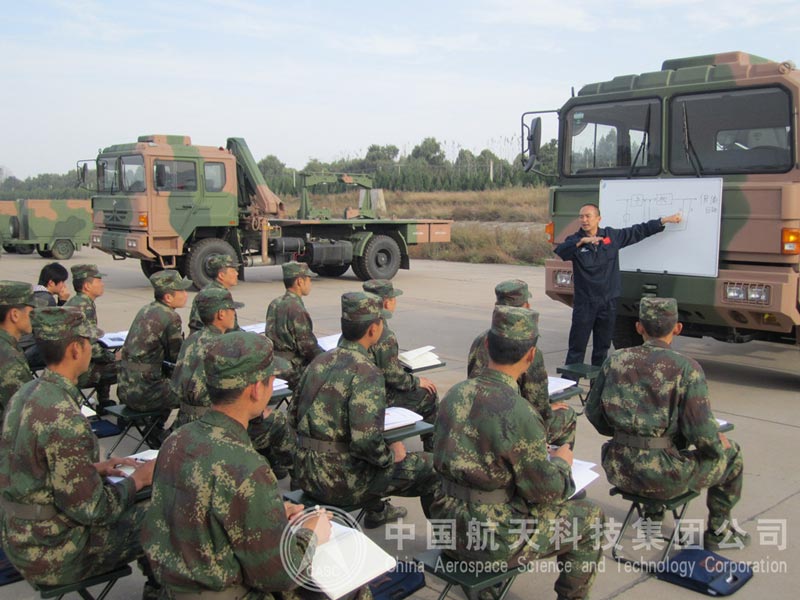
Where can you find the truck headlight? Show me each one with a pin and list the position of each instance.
(734, 292)
(563, 278)
(132, 244)
(95, 239)
(758, 293)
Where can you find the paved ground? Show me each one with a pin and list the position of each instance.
(756, 386)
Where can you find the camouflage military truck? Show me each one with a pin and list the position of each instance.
(54, 228)
(170, 204)
(731, 116)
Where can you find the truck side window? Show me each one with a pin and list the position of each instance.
(215, 176)
(176, 175)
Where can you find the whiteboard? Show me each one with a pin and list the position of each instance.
(690, 247)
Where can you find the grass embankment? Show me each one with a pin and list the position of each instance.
(496, 226)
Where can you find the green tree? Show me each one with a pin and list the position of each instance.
(430, 151)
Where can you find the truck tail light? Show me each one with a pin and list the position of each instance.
(790, 241)
(143, 220)
(549, 229)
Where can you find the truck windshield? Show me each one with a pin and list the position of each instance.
(107, 180)
(132, 173)
(735, 131)
(604, 139)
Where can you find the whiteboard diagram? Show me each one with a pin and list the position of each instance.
(690, 247)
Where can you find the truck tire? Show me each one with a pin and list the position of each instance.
(330, 270)
(381, 259)
(149, 267)
(40, 248)
(9, 248)
(24, 248)
(62, 249)
(625, 335)
(198, 259)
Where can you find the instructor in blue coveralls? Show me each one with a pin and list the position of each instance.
(594, 253)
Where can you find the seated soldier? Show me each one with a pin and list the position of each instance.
(225, 271)
(558, 417)
(50, 291)
(338, 413)
(62, 520)
(89, 285)
(402, 388)
(497, 477)
(269, 432)
(155, 336)
(16, 303)
(217, 517)
(654, 402)
(289, 325)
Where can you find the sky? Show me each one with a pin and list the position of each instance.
(325, 80)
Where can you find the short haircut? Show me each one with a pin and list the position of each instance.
(160, 293)
(289, 282)
(54, 272)
(79, 283)
(220, 397)
(4, 310)
(208, 318)
(353, 331)
(659, 328)
(53, 351)
(507, 352)
(593, 205)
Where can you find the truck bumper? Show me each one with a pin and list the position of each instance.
(122, 243)
(760, 300)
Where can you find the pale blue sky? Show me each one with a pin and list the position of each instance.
(324, 80)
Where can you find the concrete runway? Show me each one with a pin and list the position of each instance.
(756, 386)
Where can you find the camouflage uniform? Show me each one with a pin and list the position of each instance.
(217, 515)
(155, 336)
(85, 525)
(489, 439)
(15, 370)
(270, 436)
(102, 373)
(341, 400)
(290, 328)
(561, 423)
(402, 388)
(216, 263)
(652, 391)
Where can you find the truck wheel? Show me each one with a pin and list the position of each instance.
(381, 259)
(9, 248)
(62, 249)
(199, 255)
(40, 248)
(149, 267)
(330, 270)
(625, 335)
(24, 248)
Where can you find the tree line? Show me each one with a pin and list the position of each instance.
(425, 169)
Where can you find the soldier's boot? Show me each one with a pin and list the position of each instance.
(387, 514)
(103, 398)
(652, 530)
(730, 538)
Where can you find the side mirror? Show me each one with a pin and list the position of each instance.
(534, 142)
(83, 169)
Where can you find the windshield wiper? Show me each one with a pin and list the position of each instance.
(642, 145)
(688, 147)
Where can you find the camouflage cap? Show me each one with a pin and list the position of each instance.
(221, 261)
(16, 293)
(59, 322)
(515, 323)
(661, 311)
(382, 288)
(86, 272)
(295, 269)
(212, 299)
(513, 292)
(235, 360)
(362, 306)
(169, 280)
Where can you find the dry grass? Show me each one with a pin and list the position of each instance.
(490, 243)
(494, 226)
